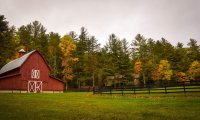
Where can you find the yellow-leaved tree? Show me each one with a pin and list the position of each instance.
(163, 71)
(67, 46)
(137, 71)
(194, 70)
(181, 76)
(138, 67)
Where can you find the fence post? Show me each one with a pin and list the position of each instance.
(134, 89)
(93, 90)
(122, 90)
(165, 89)
(101, 90)
(184, 87)
(110, 90)
(149, 89)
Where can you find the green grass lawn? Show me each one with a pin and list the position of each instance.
(86, 106)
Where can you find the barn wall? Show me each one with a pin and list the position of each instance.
(35, 62)
(53, 85)
(24, 85)
(57, 85)
(10, 83)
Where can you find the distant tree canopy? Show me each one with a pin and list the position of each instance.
(152, 60)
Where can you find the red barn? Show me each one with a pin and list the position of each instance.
(29, 73)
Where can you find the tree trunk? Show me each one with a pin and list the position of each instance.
(79, 84)
(143, 76)
(93, 80)
(66, 86)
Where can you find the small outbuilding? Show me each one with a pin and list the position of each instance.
(29, 73)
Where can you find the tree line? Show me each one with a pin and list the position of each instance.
(79, 60)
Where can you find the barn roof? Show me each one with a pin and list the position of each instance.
(15, 63)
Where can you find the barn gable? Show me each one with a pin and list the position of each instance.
(17, 63)
(35, 68)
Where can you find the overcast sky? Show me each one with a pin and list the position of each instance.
(175, 20)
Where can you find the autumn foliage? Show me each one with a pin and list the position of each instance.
(182, 76)
(163, 71)
(138, 67)
(67, 46)
(194, 70)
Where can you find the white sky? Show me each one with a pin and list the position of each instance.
(175, 20)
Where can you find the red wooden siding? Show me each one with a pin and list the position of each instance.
(57, 85)
(35, 62)
(10, 83)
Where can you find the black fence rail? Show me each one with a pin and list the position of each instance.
(181, 87)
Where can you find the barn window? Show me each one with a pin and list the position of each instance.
(35, 74)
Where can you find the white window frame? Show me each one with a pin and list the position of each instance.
(35, 74)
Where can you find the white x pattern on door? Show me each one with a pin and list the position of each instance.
(35, 86)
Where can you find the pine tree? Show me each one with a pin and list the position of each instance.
(7, 42)
(54, 54)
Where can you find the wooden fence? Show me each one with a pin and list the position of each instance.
(182, 87)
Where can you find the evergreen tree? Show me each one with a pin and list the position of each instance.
(81, 51)
(54, 54)
(33, 36)
(140, 50)
(193, 52)
(7, 42)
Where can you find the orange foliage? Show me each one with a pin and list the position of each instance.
(138, 67)
(67, 46)
(163, 71)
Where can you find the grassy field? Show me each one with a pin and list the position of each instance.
(86, 106)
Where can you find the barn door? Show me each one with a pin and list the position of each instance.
(35, 86)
